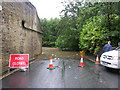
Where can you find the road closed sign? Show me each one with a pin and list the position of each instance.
(19, 60)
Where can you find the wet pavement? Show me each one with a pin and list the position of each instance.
(66, 74)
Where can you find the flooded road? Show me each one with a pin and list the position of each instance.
(66, 74)
(55, 52)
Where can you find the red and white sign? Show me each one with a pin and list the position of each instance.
(19, 60)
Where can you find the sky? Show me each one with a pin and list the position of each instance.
(48, 8)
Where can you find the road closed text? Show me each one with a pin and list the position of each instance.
(19, 60)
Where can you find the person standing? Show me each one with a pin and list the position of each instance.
(118, 45)
(107, 47)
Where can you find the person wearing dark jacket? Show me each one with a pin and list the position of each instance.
(118, 45)
(107, 47)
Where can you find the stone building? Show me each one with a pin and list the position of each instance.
(20, 31)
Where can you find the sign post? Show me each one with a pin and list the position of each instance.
(19, 61)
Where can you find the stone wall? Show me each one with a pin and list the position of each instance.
(20, 30)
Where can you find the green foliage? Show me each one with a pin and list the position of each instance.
(83, 26)
(50, 31)
(95, 34)
(68, 35)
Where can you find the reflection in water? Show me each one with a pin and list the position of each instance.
(81, 68)
(18, 81)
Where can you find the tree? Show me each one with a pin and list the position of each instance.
(83, 25)
(50, 31)
(95, 33)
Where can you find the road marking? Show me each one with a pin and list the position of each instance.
(8, 74)
(90, 59)
(30, 63)
(4, 76)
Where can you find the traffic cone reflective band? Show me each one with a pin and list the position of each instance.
(97, 60)
(51, 64)
(81, 62)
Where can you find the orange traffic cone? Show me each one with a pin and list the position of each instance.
(81, 62)
(51, 64)
(97, 60)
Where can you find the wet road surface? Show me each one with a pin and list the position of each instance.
(66, 74)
